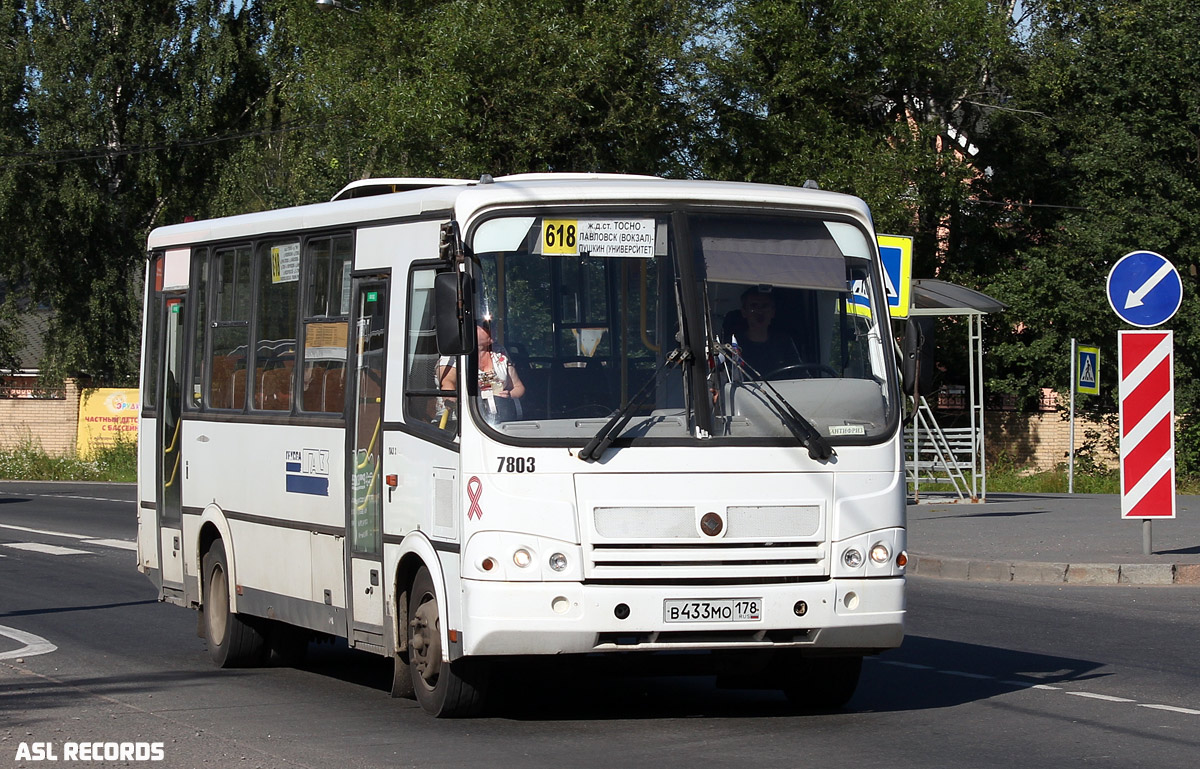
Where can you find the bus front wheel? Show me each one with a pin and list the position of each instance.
(444, 689)
(233, 641)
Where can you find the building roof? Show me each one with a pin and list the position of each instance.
(29, 332)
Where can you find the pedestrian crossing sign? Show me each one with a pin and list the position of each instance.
(896, 251)
(1087, 370)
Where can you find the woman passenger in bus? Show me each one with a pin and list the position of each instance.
(499, 383)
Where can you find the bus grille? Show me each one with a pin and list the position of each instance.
(722, 561)
(758, 543)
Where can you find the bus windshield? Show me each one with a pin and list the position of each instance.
(580, 316)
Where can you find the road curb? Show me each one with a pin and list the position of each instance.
(1038, 572)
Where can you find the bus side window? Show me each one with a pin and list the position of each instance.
(200, 329)
(423, 404)
(153, 321)
(230, 329)
(326, 324)
(275, 337)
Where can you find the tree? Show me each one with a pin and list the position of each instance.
(1095, 155)
(858, 95)
(458, 89)
(116, 109)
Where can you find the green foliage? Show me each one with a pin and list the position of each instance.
(1187, 448)
(1078, 128)
(28, 461)
(458, 89)
(854, 94)
(1095, 153)
(110, 100)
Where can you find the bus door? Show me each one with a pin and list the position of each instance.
(170, 471)
(364, 523)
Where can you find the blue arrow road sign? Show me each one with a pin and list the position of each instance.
(1144, 289)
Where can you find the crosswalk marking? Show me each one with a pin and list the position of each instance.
(86, 539)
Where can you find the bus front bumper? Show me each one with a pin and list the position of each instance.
(857, 615)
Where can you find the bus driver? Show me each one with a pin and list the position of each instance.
(765, 349)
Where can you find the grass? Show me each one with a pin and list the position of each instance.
(28, 461)
(1003, 477)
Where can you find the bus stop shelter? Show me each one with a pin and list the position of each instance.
(954, 456)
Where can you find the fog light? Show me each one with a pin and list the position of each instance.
(558, 562)
(522, 558)
(851, 601)
(853, 558)
(880, 553)
(560, 604)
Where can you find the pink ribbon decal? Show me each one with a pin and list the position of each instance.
(475, 491)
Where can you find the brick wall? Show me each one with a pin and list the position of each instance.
(1039, 441)
(51, 422)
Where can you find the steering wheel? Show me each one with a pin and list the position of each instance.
(816, 370)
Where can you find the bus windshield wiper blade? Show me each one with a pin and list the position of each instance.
(616, 425)
(809, 436)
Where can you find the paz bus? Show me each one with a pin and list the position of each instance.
(614, 472)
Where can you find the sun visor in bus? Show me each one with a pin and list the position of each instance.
(510, 233)
(786, 254)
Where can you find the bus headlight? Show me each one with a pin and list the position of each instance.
(880, 553)
(497, 555)
(852, 557)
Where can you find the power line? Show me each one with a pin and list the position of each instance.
(58, 157)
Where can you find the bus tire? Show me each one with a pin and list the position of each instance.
(233, 640)
(820, 683)
(287, 644)
(446, 690)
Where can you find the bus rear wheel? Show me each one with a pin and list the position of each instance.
(233, 640)
(444, 689)
(819, 683)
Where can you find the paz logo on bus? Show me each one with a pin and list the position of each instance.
(307, 471)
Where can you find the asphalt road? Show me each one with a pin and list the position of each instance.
(989, 675)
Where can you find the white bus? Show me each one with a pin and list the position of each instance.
(678, 430)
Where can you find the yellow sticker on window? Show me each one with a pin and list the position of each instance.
(560, 236)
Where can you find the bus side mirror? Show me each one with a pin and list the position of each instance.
(455, 318)
(917, 366)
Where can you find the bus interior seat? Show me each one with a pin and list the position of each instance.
(313, 389)
(220, 396)
(579, 388)
(275, 387)
(733, 323)
(333, 398)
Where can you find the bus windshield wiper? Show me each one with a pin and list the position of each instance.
(809, 436)
(616, 425)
